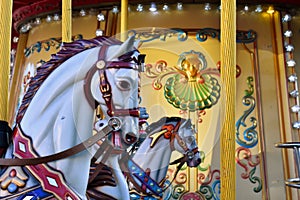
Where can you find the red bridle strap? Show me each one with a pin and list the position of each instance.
(134, 112)
(105, 87)
(179, 139)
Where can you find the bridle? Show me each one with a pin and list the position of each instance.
(169, 131)
(101, 65)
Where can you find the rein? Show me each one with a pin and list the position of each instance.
(63, 154)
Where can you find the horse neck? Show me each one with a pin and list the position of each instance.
(60, 98)
(59, 117)
(156, 159)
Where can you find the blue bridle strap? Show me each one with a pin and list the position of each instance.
(35, 194)
(144, 178)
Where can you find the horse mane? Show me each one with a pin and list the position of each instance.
(166, 120)
(67, 51)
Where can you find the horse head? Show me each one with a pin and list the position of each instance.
(185, 143)
(113, 88)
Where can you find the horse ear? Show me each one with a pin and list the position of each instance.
(126, 47)
(187, 123)
(138, 43)
(184, 122)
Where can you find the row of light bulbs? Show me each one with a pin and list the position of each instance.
(138, 8)
(56, 17)
(207, 7)
(291, 63)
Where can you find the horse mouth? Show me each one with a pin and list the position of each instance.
(194, 162)
(118, 141)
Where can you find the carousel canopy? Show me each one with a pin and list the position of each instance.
(26, 10)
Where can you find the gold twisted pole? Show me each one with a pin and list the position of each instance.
(66, 21)
(228, 95)
(124, 19)
(5, 44)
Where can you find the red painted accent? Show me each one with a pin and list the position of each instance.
(146, 179)
(13, 173)
(42, 171)
(191, 195)
(170, 130)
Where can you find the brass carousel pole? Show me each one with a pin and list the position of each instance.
(66, 21)
(5, 44)
(124, 19)
(17, 76)
(228, 95)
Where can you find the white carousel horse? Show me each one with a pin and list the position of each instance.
(147, 169)
(58, 112)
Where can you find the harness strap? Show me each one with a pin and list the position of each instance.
(35, 194)
(104, 85)
(57, 156)
(179, 139)
(132, 170)
(106, 150)
(134, 112)
(87, 89)
(103, 147)
(88, 79)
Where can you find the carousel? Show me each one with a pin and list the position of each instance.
(169, 100)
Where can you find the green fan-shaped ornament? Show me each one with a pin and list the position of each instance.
(192, 88)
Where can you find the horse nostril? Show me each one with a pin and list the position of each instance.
(130, 138)
(199, 160)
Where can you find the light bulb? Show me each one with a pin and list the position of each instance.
(139, 8)
(153, 7)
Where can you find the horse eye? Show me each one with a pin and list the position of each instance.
(189, 139)
(123, 85)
